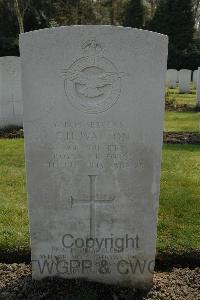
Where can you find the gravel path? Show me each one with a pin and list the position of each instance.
(16, 283)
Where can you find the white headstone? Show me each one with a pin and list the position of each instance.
(195, 78)
(198, 87)
(93, 115)
(184, 80)
(172, 76)
(11, 109)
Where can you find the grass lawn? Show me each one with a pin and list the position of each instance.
(179, 214)
(182, 121)
(179, 218)
(181, 99)
(13, 204)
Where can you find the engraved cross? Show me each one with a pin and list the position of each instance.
(92, 202)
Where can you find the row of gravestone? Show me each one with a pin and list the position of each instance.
(11, 108)
(183, 78)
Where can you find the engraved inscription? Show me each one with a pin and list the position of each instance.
(92, 83)
(103, 148)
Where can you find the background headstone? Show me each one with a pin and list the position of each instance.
(198, 87)
(93, 118)
(11, 109)
(172, 77)
(184, 80)
(195, 78)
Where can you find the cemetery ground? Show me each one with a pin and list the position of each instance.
(177, 274)
(179, 198)
(178, 235)
(182, 121)
(176, 99)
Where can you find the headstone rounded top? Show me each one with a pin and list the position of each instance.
(95, 27)
(185, 70)
(9, 57)
(92, 79)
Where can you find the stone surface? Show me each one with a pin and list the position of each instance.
(93, 115)
(11, 109)
(172, 78)
(184, 80)
(195, 78)
(198, 87)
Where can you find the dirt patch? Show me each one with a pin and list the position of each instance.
(10, 256)
(165, 260)
(16, 283)
(168, 137)
(11, 132)
(181, 138)
(168, 259)
(169, 106)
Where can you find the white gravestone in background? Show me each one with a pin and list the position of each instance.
(172, 76)
(195, 78)
(93, 117)
(198, 87)
(184, 80)
(11, 109)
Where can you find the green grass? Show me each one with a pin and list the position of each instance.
(179, 200)
(181, 99)
(179, 214)
(13, 205)
(182, 121)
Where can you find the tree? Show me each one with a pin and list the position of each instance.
(68, 12)
(176, 19)
(183, 24)
(109, 11)
(8, 30)
(196, 6)
(134, 14)
(153, 5)
(17, 16)
(20, 8)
